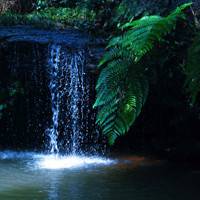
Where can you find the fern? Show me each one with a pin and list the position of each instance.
(142, 35)
(122, 87)
(192, 69)
(131, 9)
(121, 94)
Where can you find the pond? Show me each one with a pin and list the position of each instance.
(33, 176)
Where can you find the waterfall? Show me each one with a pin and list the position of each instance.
(55, 96)
(69, 89)
(55, 112)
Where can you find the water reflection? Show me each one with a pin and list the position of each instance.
(131, 178)
(54, 184)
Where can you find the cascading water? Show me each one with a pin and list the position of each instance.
(76, 91)
(54, 107)
(69, 88)
(55, 97)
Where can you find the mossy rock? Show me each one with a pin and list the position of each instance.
(17, 6)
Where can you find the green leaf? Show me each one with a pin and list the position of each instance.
(122, 86)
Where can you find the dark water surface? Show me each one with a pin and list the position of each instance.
(25, 176)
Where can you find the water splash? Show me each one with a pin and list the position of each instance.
(35, 160)
(54, 162)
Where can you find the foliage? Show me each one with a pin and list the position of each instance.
(88, 15)
(7, 95)
(192, 69)
(51, 17)
(103, 11)
(132, 9)
(41, 4)
(122, 86)
(65, 16)
(141, 35)
(125, 69)
(102, 15)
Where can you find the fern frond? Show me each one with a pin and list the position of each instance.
(129, 107)
(121, 93)
(192, 69)
(142, 35)
(122, 87)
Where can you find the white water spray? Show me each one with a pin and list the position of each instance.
(55, 96)
(70, 100)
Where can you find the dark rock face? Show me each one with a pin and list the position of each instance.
(71, 38)
(23, 58)
(23, 121)
(10, 5)
(16, 5)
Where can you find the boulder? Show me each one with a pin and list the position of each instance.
(16, 5)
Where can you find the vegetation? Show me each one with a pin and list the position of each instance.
(98, 17)
(51, 18)
(123, 84)
(147, 47)
(192, 69)
(7, 95)
(84, 15)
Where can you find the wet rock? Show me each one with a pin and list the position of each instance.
(16, 5)
(24, 53)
